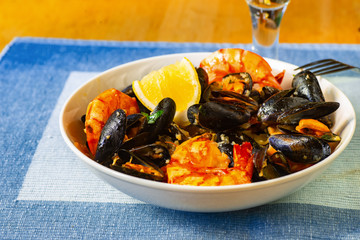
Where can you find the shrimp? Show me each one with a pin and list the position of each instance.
(100, 109)
(199, 162)
(235, 60)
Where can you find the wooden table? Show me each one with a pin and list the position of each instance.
(305, 21)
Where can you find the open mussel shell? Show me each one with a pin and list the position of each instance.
(154, 153)
(300, 148)
(133, 119)
(270, 110)
(311, 110)
(307, 86)
(226, 141)
(235, 99)
(140, 139)
(277, 96)
(267, 110)
(206, 94)
(129, 163)
(177, 133)
(243, 78)
(134, 124)
(266, 92)
(112, 136)
(268, 167)
(274, 166)
(149, 128)
(228, 138)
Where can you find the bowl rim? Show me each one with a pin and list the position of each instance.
(200, 189)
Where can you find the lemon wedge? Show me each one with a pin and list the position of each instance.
(178, 81)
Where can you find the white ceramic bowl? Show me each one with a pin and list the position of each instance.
(193, 198)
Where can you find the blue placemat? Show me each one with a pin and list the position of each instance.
(47, 193)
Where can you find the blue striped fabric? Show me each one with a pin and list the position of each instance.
(47, 193)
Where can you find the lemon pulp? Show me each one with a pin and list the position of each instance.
(178, 81)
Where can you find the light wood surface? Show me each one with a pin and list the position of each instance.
(220, 21)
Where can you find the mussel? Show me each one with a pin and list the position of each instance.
(300, 148)
(127, 143)
(307, 86)
(284, 108)
(223, 110)
(275, 166)
(270, 110)
(221, 116)
(227, 139)
(160, 119)
(203, 79)
(312, 110)
(112, 136)
(139, 165)
(154, 124)
(238, 82)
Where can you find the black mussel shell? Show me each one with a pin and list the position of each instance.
(203, 78)
(129, 91)
(228, 149)
(312, 110)
(112, 136)
(235, 99)
(268, 113)
(267, 108)
(207, 93)
(259, 156)
(226, 140)
(126, 156)
(255, 94)
(153, 153)
(264, 167)
(235, 136)
(177, 133)
(300, 148)
(307, 86)
(221, 116)
(277, 96)
(161, 118)
(193, 114)
(272, 169)
(266, 92)
(140, 139)
(287, 129)
(134, 124)
(134, 119)
(242, 77)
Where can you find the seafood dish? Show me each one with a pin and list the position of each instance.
(244, 129)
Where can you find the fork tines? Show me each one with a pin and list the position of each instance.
(325, 66)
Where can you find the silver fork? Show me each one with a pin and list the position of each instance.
(327, 66)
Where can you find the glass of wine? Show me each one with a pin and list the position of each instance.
(266, 17)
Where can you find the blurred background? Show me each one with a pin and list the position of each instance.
(305, 21)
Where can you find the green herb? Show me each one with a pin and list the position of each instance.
(154, 116)
(331, 137)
